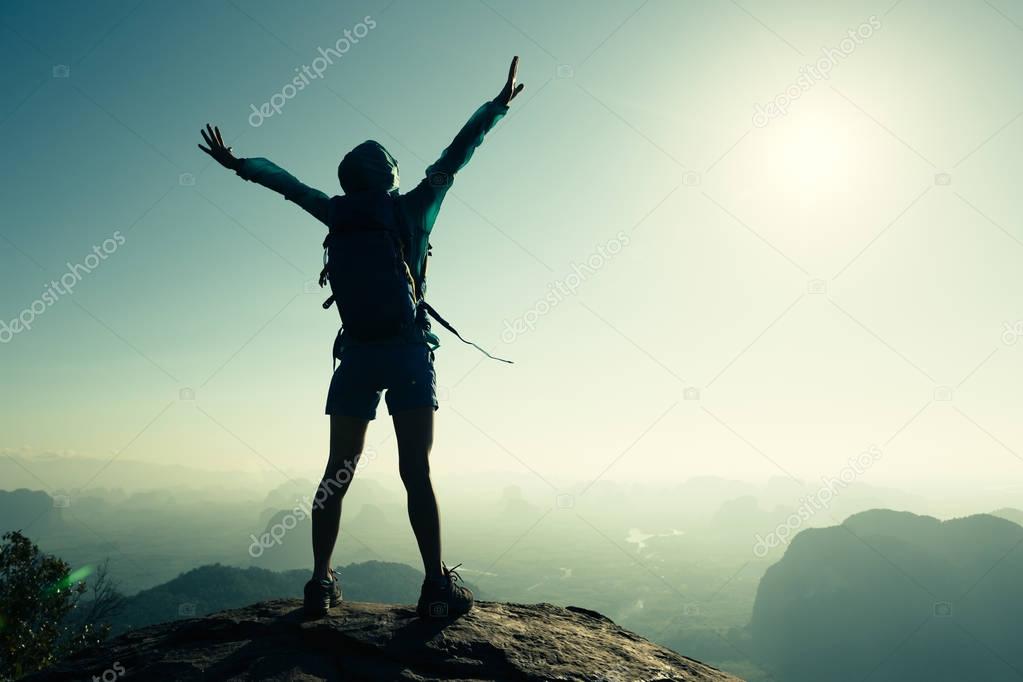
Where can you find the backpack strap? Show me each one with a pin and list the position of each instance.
(331, 212)
(404, 237)
(447, 325)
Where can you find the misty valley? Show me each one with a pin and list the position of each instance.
(726, 571)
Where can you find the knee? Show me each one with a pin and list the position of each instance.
(340, 468)
(332, 489)
(414, 471)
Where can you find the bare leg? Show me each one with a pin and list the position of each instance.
(347, 437)
(414, 432)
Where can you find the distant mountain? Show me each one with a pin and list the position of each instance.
(514, 504)
(281, 541)
(742, 518)
(892, 596)
(216, 587)
(68, 472)
(301, 492)
(1010, 514)
(32, 511)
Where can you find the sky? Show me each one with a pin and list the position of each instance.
(744, 239)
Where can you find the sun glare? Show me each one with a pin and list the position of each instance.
(815, 155)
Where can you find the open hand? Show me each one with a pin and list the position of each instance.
(220, 152)
(510, 89)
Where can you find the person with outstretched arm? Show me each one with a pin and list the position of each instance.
(385, 343)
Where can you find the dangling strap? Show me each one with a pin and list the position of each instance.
(447, 325)
(323, 276)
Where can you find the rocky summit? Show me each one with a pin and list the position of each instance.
(368, 642)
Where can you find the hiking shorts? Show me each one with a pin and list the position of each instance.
(364, 371)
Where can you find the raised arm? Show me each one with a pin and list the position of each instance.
(428, 195)
(267, 174)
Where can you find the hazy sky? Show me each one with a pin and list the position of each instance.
(822, 279)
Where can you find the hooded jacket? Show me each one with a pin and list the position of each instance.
(369, 169)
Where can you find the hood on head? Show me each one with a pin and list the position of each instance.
(368, 167)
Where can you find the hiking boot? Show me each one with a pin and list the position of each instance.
(320, 595)
(335, 591)
(444, 597)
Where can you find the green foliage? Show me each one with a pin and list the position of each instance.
(40, 601)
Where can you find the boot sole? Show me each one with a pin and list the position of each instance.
(316, 611)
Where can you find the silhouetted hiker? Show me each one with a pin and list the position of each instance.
(375, 261)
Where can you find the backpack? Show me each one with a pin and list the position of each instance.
(364, 262)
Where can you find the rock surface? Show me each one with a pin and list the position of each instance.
(369, 642)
